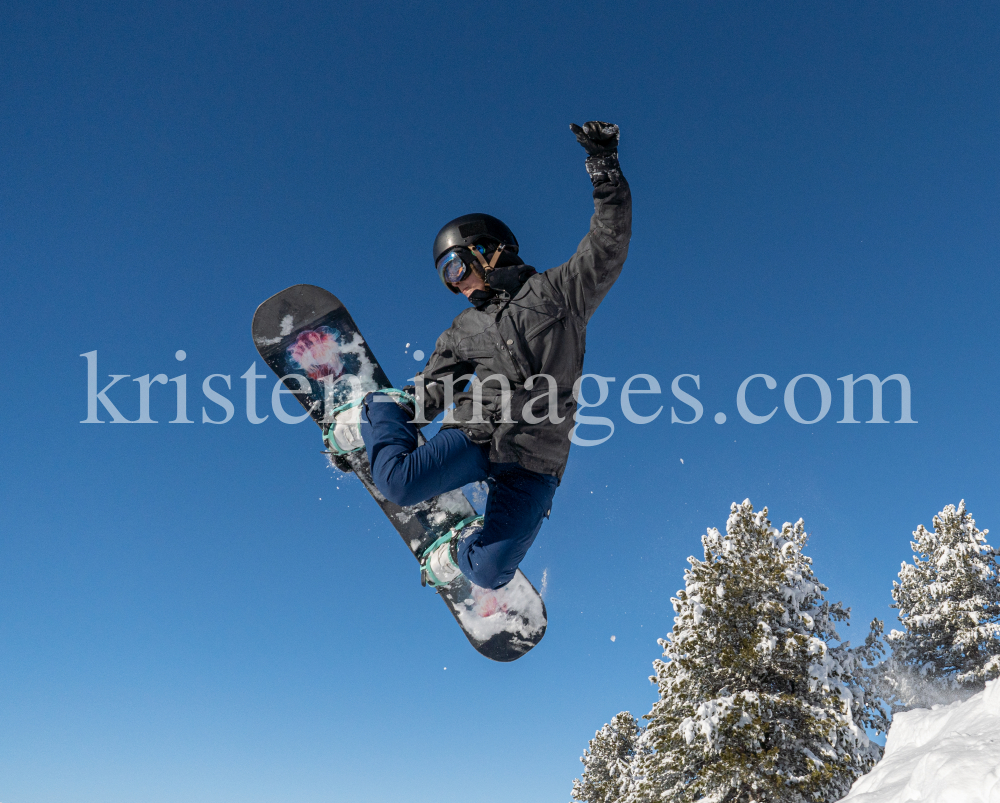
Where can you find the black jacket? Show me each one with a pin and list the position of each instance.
(539, 327)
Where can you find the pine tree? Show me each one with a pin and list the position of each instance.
(949, 605)
(757, 701)
(610, 762)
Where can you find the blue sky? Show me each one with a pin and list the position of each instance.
(208, 613)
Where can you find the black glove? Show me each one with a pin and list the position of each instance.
(596, 137)
(600, 140)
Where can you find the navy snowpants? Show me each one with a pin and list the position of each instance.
(406, 474)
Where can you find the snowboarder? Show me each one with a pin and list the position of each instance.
(524, 339)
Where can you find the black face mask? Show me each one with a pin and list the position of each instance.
(480, 298)
(506, 280)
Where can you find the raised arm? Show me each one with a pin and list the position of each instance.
(598, 261)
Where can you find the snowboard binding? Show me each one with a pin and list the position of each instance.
(439, 562)
(342, 435)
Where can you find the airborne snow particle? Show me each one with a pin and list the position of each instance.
(418, 355)
(682, 460)
(612, 638)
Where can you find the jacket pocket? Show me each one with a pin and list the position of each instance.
(478, 347)
(544, 326)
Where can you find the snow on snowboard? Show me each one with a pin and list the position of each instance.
(308, 338)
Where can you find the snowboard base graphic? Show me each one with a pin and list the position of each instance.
(308, 338)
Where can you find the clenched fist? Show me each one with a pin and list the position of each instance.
(597, 138)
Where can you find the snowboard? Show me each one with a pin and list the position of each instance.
(308, 338)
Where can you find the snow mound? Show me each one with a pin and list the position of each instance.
(946, 754)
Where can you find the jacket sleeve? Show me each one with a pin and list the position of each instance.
(598, 261)
(443, 364)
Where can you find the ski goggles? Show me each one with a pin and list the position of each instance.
(454, 266)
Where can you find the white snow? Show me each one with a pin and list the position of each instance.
(346, 387)
(946, 754)
(486, 612)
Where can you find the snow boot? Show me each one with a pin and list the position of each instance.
(439, 562)
(343, 435)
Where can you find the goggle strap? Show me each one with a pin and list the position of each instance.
(488, 266)
(482, 260)
(496, 256)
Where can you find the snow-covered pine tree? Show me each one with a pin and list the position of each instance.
(609, 774)
(757, 701)
(949, 605)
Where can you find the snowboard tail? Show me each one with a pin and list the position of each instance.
(308, 338)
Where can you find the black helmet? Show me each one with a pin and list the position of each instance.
(474, 229)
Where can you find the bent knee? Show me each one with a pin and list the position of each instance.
(399, 493)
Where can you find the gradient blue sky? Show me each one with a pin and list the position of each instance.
(207, 613)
